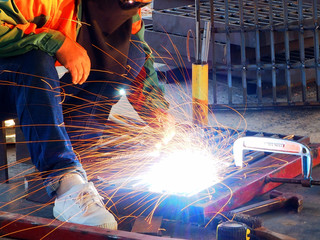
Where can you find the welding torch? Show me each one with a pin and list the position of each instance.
(163, 122)
(166, 123)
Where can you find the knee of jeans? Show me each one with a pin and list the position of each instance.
(39, 63)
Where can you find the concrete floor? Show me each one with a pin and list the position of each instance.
(302, 122)
(304, 225)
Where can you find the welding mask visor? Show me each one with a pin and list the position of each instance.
(130, 4)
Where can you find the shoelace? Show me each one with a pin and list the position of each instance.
(87, 197)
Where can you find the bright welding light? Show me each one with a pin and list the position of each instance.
(122, 92)
(184, 172)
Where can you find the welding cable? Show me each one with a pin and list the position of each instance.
(188, 45)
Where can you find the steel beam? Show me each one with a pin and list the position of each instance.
(19, 226)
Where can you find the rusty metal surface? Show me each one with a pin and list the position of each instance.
(251, 186)
(142, 225)
(19, 226)
(289, 200)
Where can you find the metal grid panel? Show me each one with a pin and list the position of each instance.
(266, 43)
(262, 7)
(286, 19)
(227, 14)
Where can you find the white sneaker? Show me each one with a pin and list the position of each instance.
(82, 204)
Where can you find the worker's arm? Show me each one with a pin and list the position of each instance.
(18, 36)
(147, 94)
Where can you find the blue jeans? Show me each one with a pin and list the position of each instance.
(30, 89)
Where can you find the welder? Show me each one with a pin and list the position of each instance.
(101, 44)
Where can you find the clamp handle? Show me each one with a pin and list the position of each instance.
(274, 145)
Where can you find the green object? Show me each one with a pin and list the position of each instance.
(15, 42)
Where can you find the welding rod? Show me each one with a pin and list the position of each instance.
(208, 34)
(198, 33)
(203, 50)
(206, 42)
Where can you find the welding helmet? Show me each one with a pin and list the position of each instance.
(130, 4)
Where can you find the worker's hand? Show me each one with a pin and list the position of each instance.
(75, 58)
(165, 124)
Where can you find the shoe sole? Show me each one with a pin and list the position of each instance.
(58, 215)
(110, 226)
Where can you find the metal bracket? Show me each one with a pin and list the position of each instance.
(274, 145)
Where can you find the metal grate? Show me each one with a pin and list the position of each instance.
(179, 20)
(265, 43)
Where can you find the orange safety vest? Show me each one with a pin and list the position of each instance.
(57, 15)
(136, 26)
(55, 18)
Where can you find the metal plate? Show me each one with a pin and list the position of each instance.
(237, 188)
